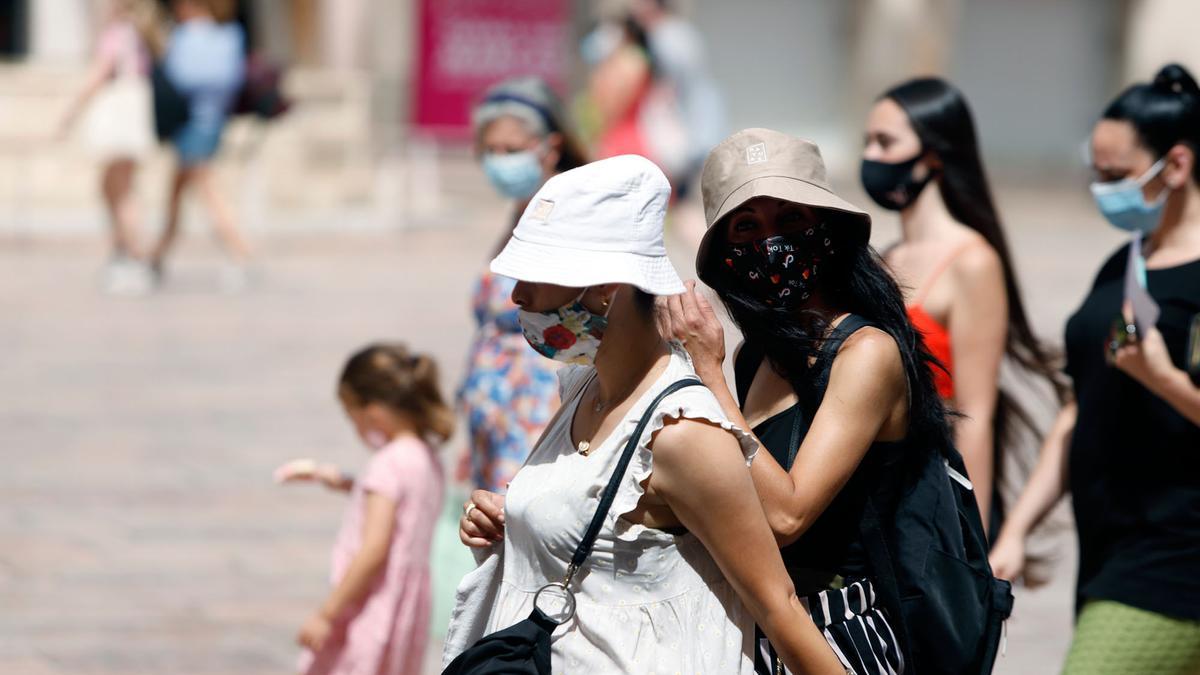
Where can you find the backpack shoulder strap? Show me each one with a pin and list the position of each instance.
(829, 350)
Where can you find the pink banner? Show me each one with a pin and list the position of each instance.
(466, 45)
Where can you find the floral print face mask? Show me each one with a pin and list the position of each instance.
(570, 334)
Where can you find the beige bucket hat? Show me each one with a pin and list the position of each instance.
(765, 163)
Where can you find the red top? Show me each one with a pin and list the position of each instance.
(937, 341)
(937, 336)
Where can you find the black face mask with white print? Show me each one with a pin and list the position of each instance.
(782, 270)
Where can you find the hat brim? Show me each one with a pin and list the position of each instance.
(851, 221)
(579, 268)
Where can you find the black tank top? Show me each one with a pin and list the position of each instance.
(832, 544)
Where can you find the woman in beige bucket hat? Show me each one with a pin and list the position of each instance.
(825, 377)
(685, 562)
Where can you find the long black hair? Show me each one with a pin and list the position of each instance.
(855, 281)
(1164, 112)
(939, 115)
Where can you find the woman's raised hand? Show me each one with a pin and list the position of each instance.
(690, 318)
(482, 523)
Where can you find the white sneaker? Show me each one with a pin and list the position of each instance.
(236, 278)
(126, 277)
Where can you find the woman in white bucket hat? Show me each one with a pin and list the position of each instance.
(685, 562)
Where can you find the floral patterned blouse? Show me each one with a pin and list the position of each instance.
(510, 391)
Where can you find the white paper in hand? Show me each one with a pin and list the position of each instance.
(1145, 309)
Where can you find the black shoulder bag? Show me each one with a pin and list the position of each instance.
(524, 648)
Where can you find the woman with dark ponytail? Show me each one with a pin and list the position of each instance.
(1128, 447)
(922, 159)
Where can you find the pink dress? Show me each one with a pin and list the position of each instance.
(385, 634)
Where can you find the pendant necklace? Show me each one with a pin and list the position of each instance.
(585, 447)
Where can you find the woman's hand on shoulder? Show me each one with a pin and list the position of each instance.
(482, 523)
(690, 318)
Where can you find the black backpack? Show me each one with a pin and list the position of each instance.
(930, 564)
(929, 559)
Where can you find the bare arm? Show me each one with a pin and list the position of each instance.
(700, 473)
(299, 470)
(866, 384)
(100, 72)
(379, 522)
(617, 82)
(978, 332)
(1047, 484)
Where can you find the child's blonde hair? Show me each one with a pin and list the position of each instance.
(389, 374)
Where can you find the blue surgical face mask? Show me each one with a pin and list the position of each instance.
(516, 175)
(1124, 205)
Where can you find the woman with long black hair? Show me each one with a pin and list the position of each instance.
(921, 158)
(1128, 447)
(832, 378)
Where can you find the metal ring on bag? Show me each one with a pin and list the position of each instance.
(569, 606)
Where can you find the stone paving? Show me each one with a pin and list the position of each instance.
(140, 531)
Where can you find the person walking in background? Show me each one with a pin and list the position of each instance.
(509, 392)
(922, 159)
(376, 619)
(620, 82)
(677, 51)
(119, 128)
(1128, 447)
(205, 62)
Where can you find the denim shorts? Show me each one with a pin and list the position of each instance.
(197, 143)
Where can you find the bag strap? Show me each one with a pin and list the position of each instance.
(794, 439)
(610, 491)
(828, 351)
(885, 571)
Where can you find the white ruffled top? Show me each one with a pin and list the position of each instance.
(647, 601)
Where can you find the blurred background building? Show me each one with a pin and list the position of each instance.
(379, 85)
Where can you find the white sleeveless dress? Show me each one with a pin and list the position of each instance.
(648, 601)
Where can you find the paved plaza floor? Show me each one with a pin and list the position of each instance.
(140, 531)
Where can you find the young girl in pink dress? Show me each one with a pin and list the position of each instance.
(375, 620)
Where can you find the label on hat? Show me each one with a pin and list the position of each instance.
(756, 154)
(542, 209)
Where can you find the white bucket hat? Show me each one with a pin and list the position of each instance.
(601, 223)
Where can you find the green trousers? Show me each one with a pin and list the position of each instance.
(1116, 639)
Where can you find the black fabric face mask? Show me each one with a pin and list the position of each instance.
(782, 270)
(892, 186)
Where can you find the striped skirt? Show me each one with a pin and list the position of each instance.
(855, 627)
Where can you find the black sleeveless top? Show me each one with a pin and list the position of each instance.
(832, 544)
